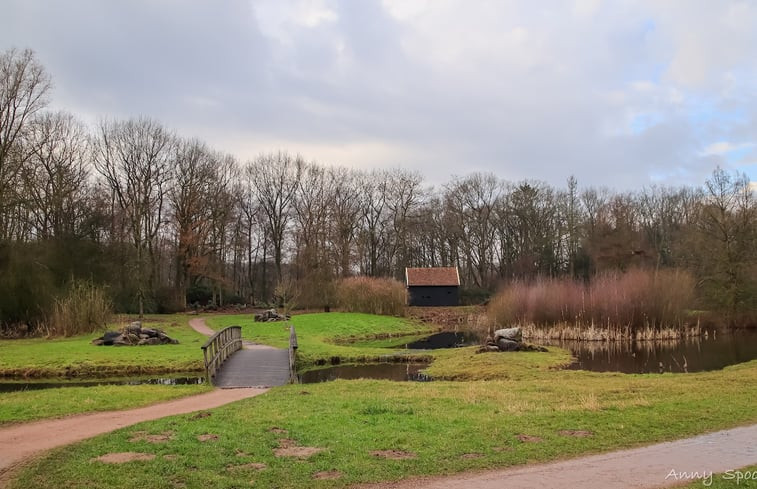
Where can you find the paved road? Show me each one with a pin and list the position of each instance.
(645, 467)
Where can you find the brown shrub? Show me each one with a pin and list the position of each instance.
(370, 295)
(84, 309)
(637, 299)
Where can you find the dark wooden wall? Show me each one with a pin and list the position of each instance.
(433, 296)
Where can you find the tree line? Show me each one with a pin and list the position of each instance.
(162, 221)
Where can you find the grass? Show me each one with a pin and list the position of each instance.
(742, 478)
(77, 357)
(32, 405)
(449, 426)
(324, 336)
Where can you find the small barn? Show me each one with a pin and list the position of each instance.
(437, 286)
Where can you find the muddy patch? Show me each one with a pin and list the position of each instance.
(207, 437)
(201, 415)
(468, 456)
(124, 457)
(145, 436)
(170, 457)
(251, 466)
(327, 475)
(528, 439)
(393, 454)
(290, 448)
(278, 431)
(576, 433)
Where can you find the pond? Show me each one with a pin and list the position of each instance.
(447, 339)
(385, 371)
(14, 386)
(692, 355)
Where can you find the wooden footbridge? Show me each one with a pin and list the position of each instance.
(231, 362)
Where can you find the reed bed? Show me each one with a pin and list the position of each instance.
(639, 304)
(383, 296)
(84, 309)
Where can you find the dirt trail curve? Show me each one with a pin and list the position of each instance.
(198, 324)
(644, 467)
(20, 442)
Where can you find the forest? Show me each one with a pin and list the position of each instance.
(158, 222)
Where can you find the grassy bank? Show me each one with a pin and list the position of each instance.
(77, 357)
(438, 427)
(25, 406)
(350, 337)
(744, 478)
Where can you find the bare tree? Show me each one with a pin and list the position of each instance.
(23, 89)
(274, 178)
(135, 159)
(56, 174)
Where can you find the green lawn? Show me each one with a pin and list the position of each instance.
(323, 336)
(52, 403)
(744, 478)
(501, 410)
(447, 426)
(77, 357)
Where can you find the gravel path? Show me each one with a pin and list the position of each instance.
(645, 467)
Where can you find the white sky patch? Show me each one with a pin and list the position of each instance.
(724, 147)
(276, 18)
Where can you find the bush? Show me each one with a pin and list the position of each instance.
(370, 295)
(84, 309)
(633, 300)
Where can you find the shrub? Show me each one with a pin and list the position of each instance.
(637, 299)
(372, 295)
(84, 309)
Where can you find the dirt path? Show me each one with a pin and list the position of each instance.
(198, 324)
(646, 467)
(19, 443)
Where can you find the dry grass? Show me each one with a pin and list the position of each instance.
(85, 309)
(384, 296)
(639, 304)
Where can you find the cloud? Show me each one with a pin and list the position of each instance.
(620, 94)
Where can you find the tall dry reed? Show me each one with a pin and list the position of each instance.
(84, 309)
(635, 304)
(384, 296)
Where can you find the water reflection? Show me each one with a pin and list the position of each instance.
(690, 355)
(447, 339)
(385, 371)
(27, 386)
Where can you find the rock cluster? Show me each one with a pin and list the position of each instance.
(271, 315)
(134, 334)
(508, 339)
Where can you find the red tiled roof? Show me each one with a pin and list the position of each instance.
(439, 276)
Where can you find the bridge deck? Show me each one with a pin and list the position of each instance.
(254, 367)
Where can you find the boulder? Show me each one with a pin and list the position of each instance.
(508, 345)
(133, 328)
(271, 315)
(512, 334)
(134, 334)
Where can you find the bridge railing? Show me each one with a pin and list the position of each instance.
(292, 355)
(219, 347)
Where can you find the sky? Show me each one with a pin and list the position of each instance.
(623, 94)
